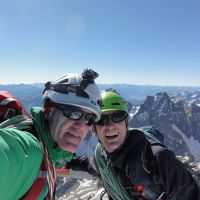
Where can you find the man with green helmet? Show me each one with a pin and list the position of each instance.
(129, 166)
(114, 112)
(31, 149)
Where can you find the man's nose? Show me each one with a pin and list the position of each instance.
(80, 123)
(110, 122)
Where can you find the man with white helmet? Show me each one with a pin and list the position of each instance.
(31, 149)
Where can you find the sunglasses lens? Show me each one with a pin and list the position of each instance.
(115, 117)
(103, 121)
(71, 112)
(118, 117)
(75, 113)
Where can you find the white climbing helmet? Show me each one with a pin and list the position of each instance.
(77, 90)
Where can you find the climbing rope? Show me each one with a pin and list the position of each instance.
(110, 178)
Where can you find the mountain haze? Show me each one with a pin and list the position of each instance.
(135, 94)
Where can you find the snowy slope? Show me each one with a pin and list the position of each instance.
(79, 186)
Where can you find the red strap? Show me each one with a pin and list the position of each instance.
(36, 189)
(62, 171)
(51, 171)
(139, 188)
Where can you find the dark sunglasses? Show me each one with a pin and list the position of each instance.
(75, 113)
(116, 117)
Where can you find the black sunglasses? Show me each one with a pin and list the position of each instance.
(116, 117)
(75, 113)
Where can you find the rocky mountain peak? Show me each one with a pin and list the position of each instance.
(176, 119)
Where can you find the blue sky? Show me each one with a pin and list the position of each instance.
(141, 42)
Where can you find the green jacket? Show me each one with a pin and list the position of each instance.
(20, 158)
(21, 155)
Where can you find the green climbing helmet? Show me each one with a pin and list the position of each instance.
(112, 101)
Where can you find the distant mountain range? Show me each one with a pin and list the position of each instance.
(138, 93)
(31, 94)
(174, 110)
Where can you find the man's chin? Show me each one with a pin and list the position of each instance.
(69, 147)
(111, 142)
(110, 148)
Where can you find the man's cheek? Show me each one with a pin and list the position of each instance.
(56, 123)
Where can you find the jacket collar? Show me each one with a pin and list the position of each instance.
(119, 157)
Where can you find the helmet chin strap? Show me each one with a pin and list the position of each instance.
(126, 121)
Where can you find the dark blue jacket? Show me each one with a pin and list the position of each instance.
(147, 171)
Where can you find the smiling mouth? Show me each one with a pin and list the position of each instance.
(73, 135)
(112, 135)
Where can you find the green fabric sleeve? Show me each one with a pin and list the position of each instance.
(20, 158)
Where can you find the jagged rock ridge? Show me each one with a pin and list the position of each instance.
(178, 120)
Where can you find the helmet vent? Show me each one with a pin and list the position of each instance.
(65, 80)
(115, 104)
